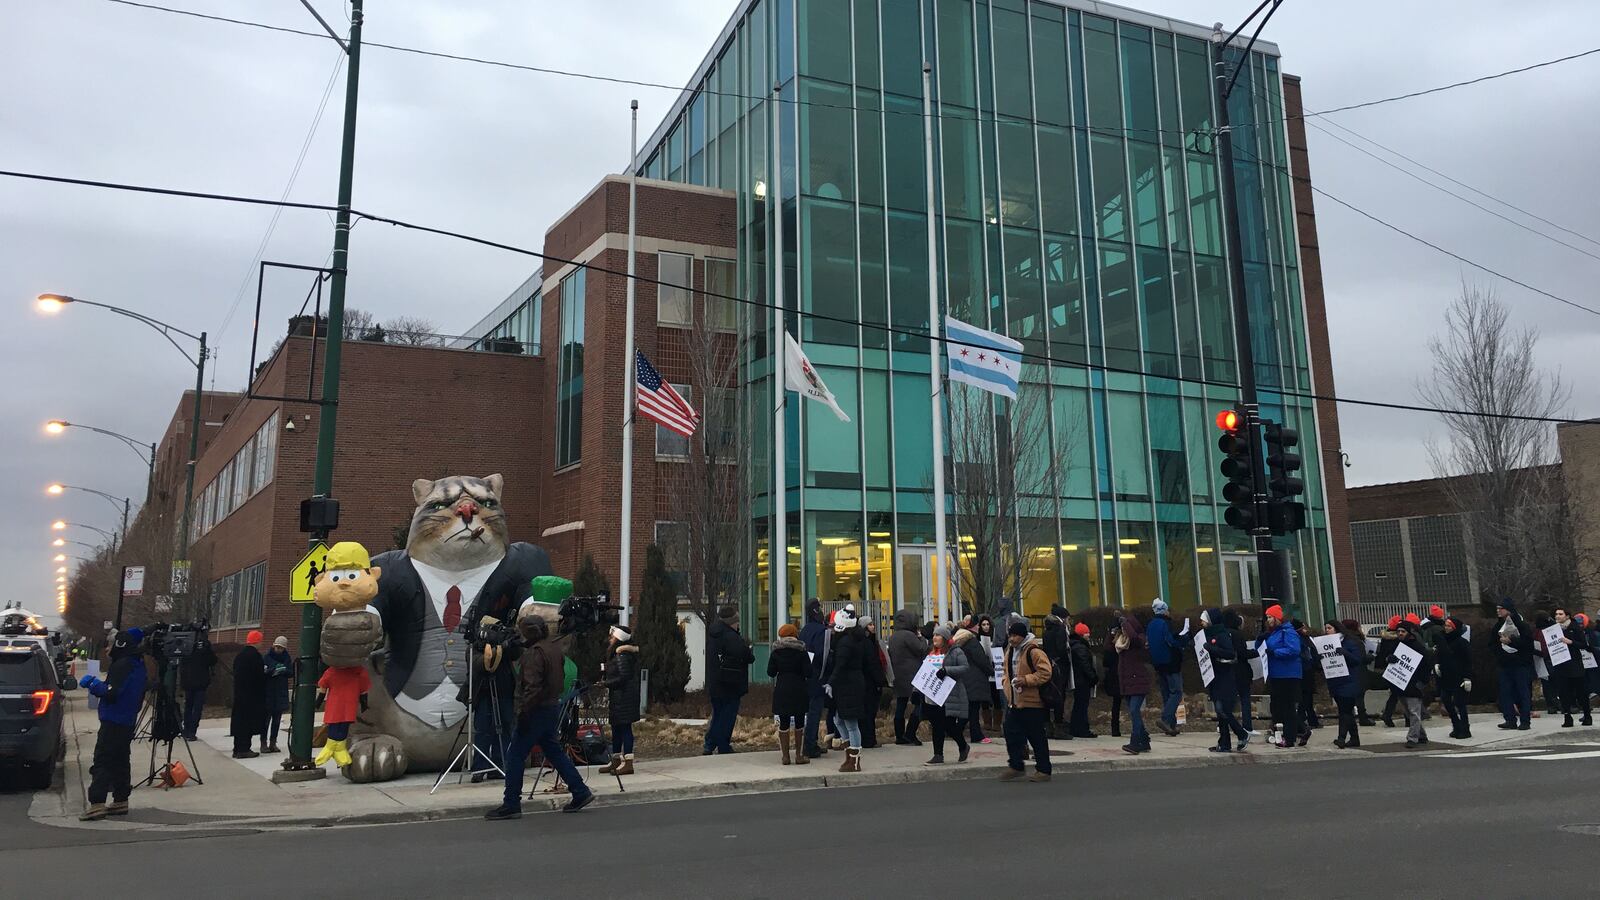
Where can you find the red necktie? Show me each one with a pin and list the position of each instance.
(452, 608)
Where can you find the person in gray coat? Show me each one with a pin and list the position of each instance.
(906, 650)
(950, 717)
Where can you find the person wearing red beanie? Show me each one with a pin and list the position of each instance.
(249, 697)
(1283, 675)
(1082, 630)
(1436, 612)
(1084, 678)
(1413, 618)
(1394, 622)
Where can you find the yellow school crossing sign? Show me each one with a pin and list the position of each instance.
(302, 581)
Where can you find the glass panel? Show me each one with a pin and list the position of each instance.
(1145, 162)
(913, 435)
(722, 286)
(833, 457)
(1024, 290)
(1216, 318)
(874, 279)
(963, 186)
(670, 443)
(875, 419)
(1019, 197)
(908, 279)
(869, 147)
(697, 140)
(964, 269)
(1160, 339)
(674, 305)
(1129, 455)
(828, 158)
(1072, 441)
(825, 39)
(1194, 84)
(956, 72)
(829, 283)
(905, 144)
(902, 47)
(674, 151)
(1138, 76)
(1058, 195)
(914, 590)
(1110, 188)
(837, 555)
(1166, 451)
(1080, 564)
(1103, 84)
(1136, 561)
(1119, 307)
(569, 389)
(1063, 285)
(1051, 100)
(867, 61)
(1013, 95)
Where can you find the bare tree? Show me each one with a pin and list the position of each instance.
(412, 331)
(359, 325)
(1007, 471)
(1500, 473)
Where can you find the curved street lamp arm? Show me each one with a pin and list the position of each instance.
(101, 531)
(167, 331)
(120, 503)
(146, 451)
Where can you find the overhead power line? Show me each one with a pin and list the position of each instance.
(759, 304)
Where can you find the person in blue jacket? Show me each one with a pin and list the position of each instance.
(1166, 655)
(1345, 689)
(814, 635)
(121, 694)
(1283, 674)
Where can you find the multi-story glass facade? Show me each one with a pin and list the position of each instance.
(1077, 209)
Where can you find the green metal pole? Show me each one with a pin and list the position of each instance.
(305, 696)
(194, 449)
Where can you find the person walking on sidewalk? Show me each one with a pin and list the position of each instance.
(1133, 676)
(1027, 671)
(1345, 689)
(978, 679)
(1514, 641)
(1224, 688)
(730, 659)
(1454, 664)
(1570, 676)
(790, 670)
(814, 635)
(1166, 654)
(945, 720)
(279, 670)
(1113, 678)
(194, 676)
(121, 695)
(1084, 679)
(877, 680)
(538, 715)
(1411, 638)
(906, 651)
(1243, 675)
(249, 697)
(849, 673)
(621, 673)
(1283, 675)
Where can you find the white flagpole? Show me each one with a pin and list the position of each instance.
(935, 359)
(630, 378)
(778, 547)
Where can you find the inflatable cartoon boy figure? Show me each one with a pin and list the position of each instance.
(345, 587)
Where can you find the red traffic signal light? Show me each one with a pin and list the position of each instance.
(1229, 420)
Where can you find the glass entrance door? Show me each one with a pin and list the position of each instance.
(1241, 578)
(918, 590)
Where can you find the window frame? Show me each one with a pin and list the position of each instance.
(665, 434)
(664, 286)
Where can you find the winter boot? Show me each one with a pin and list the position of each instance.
(611, 767)
(783, 745)
(852, 761)
(800, 757)
(1567, 723)
(94, 813)
(117, 808)
(626, 768)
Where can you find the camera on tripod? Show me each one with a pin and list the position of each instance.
(579, 614)
(175, 643)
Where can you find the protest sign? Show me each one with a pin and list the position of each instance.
(1540, 669)
(1207, 671)
(1258, 663)
(1588, 659)
(1559, 652)
(929, 684)
(1402, 666)
(1330, 649)
(998, 656)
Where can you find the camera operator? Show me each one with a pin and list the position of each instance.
(194, 676)
(121, 694)
(496, 648)
(538, 720)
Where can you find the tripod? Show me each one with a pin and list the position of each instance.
(162, 722)
(466, 731)
(567, 734)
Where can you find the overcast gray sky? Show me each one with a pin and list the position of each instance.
(103, 91)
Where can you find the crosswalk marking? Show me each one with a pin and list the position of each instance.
(1480, 753)
(1588, 754)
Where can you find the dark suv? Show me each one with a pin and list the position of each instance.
(30, 713)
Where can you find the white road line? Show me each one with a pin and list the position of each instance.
(1483, 753)
(1591, 754)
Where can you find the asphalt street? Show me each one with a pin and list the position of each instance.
(1394, 826)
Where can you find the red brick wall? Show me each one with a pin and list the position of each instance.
(1316, 304)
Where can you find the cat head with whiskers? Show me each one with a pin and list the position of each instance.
(458, 523)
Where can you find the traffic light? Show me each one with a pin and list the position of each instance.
(1285, 514)
(1237, 445)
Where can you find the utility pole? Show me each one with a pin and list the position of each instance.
(1272, 566)
(305, 698)
(194, 448)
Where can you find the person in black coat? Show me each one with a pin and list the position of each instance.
(1311, 666)
(249, 697)
(1570, 676)
(815, 638)
(1409, 635)
(727, 680)
(1112, 680)
(1455, 675)
(1514, 650)
(194, 676)
(1224, 688)
(877, 680)
(279, 667)
(1058, 648)
(789, 667)
(621, 675)
(906, 650)
(1243, 675)
(1084, 679)
(849, 674)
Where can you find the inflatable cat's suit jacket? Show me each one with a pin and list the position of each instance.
(403, 603)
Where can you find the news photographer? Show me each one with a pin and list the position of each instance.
(121, 694)
(496, 647)
(194, 676)
(538, 718)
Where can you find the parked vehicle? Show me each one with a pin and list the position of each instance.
(30, 713)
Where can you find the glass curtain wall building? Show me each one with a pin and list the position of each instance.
(1077, 210)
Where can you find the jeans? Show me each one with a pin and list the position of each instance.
(194, 703)
(1079, 726)
(1415, 734)
(1455, 703)
(1348, 730)
(942, 726)
(538, 729)
(1228, 724)
(111, 771)
(906, 728)
(491, 741)
(1171, 695)
(851, 731)
(1025, 726)
(622, 739)
(719, 731)
(269, 731)
(1516, 695)
(1138, 738)
(813, 720)
(1285, 712)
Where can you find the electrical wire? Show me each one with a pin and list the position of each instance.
(763, 305)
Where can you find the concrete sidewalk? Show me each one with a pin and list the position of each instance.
(239, 793)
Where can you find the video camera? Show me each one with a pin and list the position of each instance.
(176, 642)
(579, 614)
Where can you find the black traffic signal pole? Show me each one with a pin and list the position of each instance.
(1272, 570)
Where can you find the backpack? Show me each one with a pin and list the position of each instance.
(1050, 692)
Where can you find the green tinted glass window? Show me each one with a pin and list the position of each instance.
(1120, 307)
(869, 146)
(957, 75)
(1019, 196)
(877, 426)
(828, 159)
(1063, 285)
(1130, 473)
(833, 458)
(1110, 188)
(867, 61)
(963, 180)
(902, 47)
(874, 278)
(1051, 100)
(1102, 79)
(913, 435)
(828, 246)
(1139, 84)
(1013, 94)
(1145, 175)
(908, 279)
(1160, 337)
(1058, 194)
(905, 148)
(1194, 84)
(825, 39)
(964, 271)
(1024, 290)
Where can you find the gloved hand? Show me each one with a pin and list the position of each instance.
(941, 674)
(1466, 685)
(363, 702)
(85, 681)
(828, 689)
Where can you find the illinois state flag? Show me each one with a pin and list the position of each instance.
(800, 376)
(983, 358)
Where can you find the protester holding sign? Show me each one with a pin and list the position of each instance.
(1387, 640)
(1407, 669)
(1570, 674)
(1224, 688)
(1352, 650)
(1284, 671)
(1166, 654)
(1243, 673)
(948, 718)
(1514, 640)
(1454, 667)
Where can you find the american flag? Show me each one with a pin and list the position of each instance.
(659, 402)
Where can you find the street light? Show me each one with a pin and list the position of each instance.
(52, 303)
(147, 452)
(122, 504)
(60, 525)
(61, 557)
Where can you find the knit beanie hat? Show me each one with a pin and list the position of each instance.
(1413, 618)
(843, 620)
(1019, 627)
(1394, 622)
(280, 642)
(1436, 611)
(944, 632)
(728, 613)
(621, 633)
(1159, 607)
(787, 629)
(1275, 611)
(1081, 630)
(253, 638)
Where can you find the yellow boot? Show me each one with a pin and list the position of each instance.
(341, 756)
(332, 749)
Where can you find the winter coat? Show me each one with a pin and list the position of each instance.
(1432, 634)
(194, 673)
(1224, 657)
(1243, 672)
(122, 692)
(279, 667)
(1029, 664)
(1572, 669)
(955, 666)
(815, 638)
(249, 693)
(849, 672)
(1355, 659)
(1418, 680)
(541, 677)
(1310, 661)
(1133, 664)
(790, 670)
(622, 683)
(1084, 676)
(1455, 659)
(730, 659)
(1283, 653)
(979, 674)
(906, 650)
(1108, 660)
(1166, 650)
(1519, 653)
(1055, 642)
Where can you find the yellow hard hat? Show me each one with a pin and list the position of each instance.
(347, 555)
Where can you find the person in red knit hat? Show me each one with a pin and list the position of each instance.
(1084, 678)
(249, 697)
(1283, 674)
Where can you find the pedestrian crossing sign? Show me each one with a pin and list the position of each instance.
(303, 580)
